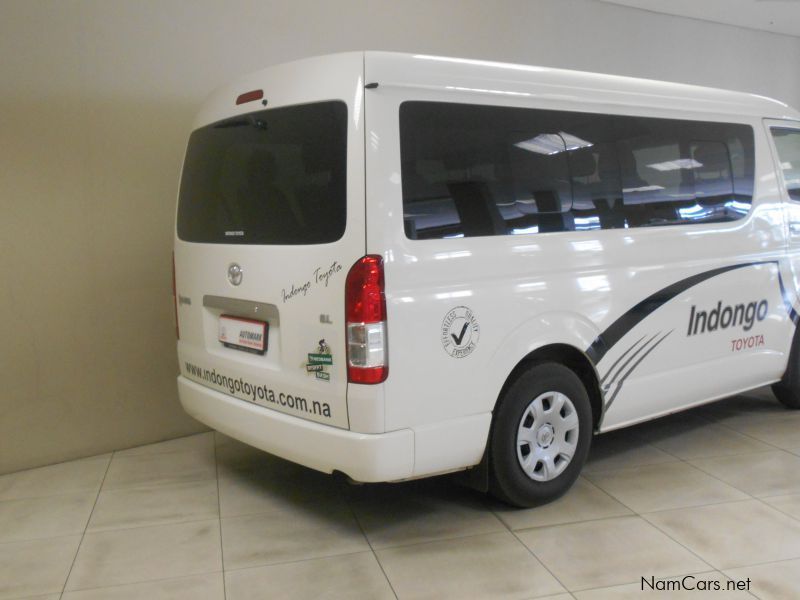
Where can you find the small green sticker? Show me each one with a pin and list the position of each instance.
(320, 359)
(323, 375)
(312, 368)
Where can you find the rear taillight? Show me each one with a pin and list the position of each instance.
(175, 299)
(365, 315)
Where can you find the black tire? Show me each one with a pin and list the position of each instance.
(509, 482)
(787, 390)
(787, 395)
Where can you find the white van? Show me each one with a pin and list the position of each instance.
(394, 266)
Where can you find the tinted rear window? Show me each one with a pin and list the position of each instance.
(275, 176)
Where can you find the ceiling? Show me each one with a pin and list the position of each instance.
(776, 16)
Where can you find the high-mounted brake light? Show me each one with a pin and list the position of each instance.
(249, 97)
(175, 299)
(365, 315)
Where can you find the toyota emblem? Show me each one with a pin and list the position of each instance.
(235, 274)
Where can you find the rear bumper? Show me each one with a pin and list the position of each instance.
(361, 456)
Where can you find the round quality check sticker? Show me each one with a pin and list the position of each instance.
(460, 332)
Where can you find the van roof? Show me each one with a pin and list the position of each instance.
(562, 85)
(487, 81)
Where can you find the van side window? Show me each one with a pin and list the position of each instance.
(472, 170)
(475, 171)
(787, 141)
(671, 175)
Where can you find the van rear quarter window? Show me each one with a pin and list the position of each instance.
(471, 170)
(787, 142)
(276, 176)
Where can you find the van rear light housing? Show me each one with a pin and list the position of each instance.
(365, 316)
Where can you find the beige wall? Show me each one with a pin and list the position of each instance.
(96, 98)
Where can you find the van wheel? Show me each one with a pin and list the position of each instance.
(788, 395)
(541, 433)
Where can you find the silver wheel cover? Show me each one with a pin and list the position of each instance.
(547, 436)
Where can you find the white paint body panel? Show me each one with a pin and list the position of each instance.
(525, 291)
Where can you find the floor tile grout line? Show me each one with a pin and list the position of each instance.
(560, 524)
(714, 477)
(133, 583)
(707, 505)
(702, 470)
(541, 562)
(86, 527)
(153, 455)
(126, 487)
(129, 451)
(696, 467)
(349, 506)
(766, 563)
(675, 458)
(607, 494)
(762, 564)
(60, 462)
(369, 543)
(681, 544)
(219, 520)
(601, 490)
(154, 486)
(87, 490)
(783, 512)
(448, 538)
(642, 518)
(298, 560)
(716, 422)
(439, 541)
(752, 437)
(79, 492)
(499, 518)
(152, 525)
(749, 498)
(612, 518)
(42, 539)
(724, 454)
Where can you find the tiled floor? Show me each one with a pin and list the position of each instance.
(714, 492)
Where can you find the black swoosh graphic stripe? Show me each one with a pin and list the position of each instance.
(787, 300)
(619, 328)
(623, 355)
(632, 369)
(632, 357)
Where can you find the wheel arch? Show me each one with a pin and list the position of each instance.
(572, 358)
(561, 337)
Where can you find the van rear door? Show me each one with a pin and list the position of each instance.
(270, 218)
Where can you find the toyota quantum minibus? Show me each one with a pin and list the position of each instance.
(394, 266)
